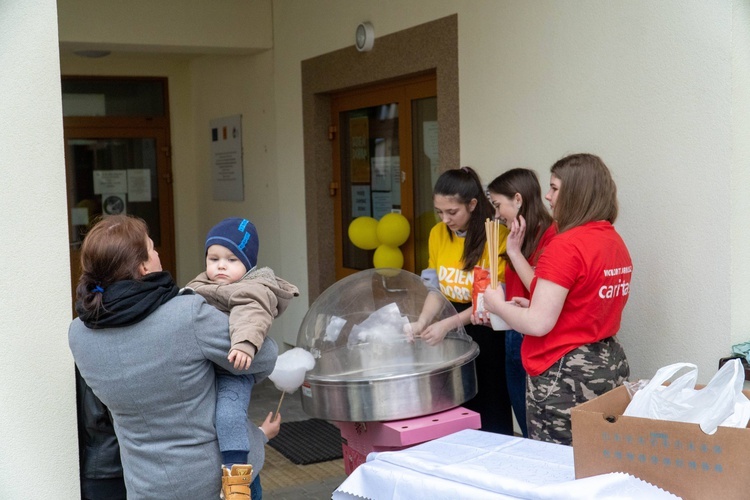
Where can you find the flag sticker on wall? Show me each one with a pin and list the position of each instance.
(226, 158)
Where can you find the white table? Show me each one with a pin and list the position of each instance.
(480, 465)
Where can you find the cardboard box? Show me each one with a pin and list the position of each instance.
(677, 457)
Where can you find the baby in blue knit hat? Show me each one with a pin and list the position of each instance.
(252, 297)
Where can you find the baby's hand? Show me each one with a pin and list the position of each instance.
(240, 359)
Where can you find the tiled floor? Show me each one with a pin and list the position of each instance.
(281, 479)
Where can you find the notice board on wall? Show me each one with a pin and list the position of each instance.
(226, 158)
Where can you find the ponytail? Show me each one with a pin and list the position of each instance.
(112, 251)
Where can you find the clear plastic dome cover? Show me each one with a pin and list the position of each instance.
(368, 366)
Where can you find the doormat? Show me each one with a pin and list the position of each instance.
(308, 441)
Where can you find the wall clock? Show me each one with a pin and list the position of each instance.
(364, 37)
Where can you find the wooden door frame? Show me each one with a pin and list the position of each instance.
(432, 46)
(113, 128)
(403, 92)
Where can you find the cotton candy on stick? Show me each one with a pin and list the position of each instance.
(290, 370)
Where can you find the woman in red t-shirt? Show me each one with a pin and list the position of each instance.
(517, 198)
(578, 293)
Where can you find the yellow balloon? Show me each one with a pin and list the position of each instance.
(363, 233)
(388, 256)
(393, 229)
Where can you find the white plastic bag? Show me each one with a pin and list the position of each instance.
(721, 402)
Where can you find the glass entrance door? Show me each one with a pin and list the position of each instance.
(118, 171)
(380, 165)
(371, 171)
(117, 158)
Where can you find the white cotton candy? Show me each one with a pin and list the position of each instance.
(384, 326)
(290, 369)
(333, 329)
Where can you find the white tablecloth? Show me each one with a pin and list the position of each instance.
(480, 465)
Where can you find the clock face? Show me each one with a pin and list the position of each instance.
(361, 36)
(364, 37)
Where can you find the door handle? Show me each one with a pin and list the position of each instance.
(333, 188)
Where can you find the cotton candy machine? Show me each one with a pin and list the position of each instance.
(366, 367)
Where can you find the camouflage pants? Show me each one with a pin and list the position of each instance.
(582, 374)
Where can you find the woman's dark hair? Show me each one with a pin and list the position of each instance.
(464, 184)
(112, 251)
(587, 191)
(526, 183)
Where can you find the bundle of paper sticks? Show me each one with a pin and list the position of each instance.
(492, 227)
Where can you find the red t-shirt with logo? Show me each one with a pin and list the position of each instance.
(594, 264)
(513, 284)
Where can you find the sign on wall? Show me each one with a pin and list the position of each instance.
(226, 158)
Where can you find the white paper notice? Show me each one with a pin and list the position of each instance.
(110, 181)
(79, 216)
(361, 201)
(226, 158)
(139, 184)
(430, 133)
(396, 179)
(381, 173)
(381, 204)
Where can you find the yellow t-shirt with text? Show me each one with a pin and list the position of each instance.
(445, 257)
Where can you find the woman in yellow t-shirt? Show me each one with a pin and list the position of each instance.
(456, 245)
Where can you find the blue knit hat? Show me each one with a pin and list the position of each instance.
(239, 236)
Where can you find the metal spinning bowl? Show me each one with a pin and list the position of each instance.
(367, 368)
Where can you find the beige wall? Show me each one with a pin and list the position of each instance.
(224, 86)
(175, 26)
(658, 89)
(38, 439)
(740, 173)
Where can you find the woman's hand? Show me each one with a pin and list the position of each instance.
(492, 298)
(479, 318)
(515, 237)
(414, 329)
(271, 425)
(521, 302)
(240, 359)
(436, 332)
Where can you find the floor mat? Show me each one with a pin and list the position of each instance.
(308, 441)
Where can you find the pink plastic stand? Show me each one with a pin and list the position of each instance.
(361, 438)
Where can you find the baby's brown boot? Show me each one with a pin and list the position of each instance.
(235, 483)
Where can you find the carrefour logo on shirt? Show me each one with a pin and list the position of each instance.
(619, 289)
(455, 283)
